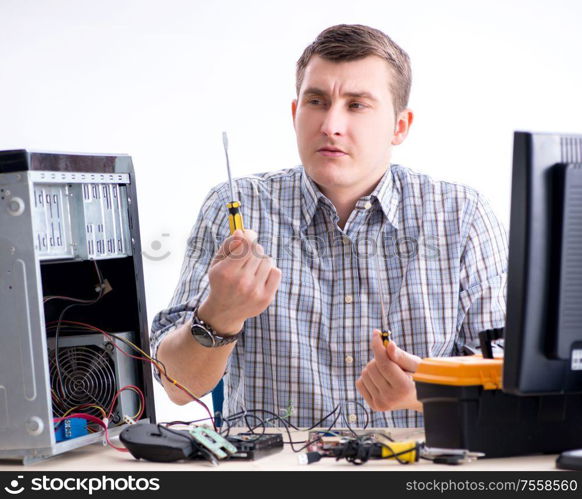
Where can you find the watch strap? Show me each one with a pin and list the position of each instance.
(212, 339)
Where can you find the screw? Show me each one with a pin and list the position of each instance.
(34, 426)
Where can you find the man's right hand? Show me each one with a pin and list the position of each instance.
(243, 282)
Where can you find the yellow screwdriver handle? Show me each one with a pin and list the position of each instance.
(235, 220)
(389, 450)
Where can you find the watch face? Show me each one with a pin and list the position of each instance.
(203, 336)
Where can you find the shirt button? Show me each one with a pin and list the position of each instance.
(352, 418)
(368, 205)
(348, 299)
(349, 359)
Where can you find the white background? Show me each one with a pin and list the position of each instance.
(160, 80)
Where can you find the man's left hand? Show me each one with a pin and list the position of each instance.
(386, 382)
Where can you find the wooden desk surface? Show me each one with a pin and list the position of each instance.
(98, 458)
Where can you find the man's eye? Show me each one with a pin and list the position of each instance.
(314, 102)
(357, 105)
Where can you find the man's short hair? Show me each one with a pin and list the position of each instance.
(349, 42)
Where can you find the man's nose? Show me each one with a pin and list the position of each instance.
(333, 122)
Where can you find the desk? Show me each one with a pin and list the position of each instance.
(95, 457)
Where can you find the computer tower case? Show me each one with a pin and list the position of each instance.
(72, 301)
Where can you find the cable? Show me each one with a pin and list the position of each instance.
(145, 357)
(79, 303)
(287, 425)
(80, 300)
(93, 419)
(360, 451)
(141, 397)
(229, 420)
(346, 402)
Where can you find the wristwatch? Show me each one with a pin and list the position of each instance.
(205, 335)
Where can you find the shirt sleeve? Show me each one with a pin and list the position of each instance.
(193, 285)
(483, 279)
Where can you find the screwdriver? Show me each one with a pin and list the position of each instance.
(385, 332)
(235, 220)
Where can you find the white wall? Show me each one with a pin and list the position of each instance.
(160, 80)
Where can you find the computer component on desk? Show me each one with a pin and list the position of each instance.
(252, 446)
(72, 302)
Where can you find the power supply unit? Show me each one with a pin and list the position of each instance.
(91, 363)
(72, 304)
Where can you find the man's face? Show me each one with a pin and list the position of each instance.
(345, 124)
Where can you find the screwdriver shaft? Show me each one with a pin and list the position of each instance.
(225, 142)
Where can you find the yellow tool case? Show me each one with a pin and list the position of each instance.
(464, 407)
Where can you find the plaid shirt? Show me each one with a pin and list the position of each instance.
(434, 249)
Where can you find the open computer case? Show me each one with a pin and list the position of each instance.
(72, 302)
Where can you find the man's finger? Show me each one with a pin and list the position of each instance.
(378, 348)
(228, 246)
(251, 235)
(263, 270)
(379, 377)
(405, 360)
(237, 252)
(253, 263)
(273, 281)
(363, 389)
(394, 373)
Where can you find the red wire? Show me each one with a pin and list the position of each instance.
(93, 419)
(128, 387)
(88, 417)
(175, 383)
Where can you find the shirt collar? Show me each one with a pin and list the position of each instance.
(310, 196)
(386, 193)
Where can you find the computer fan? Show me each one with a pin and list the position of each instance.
(90, 370)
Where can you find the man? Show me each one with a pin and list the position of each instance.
(353, 244)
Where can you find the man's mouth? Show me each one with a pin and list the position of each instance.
(332, 152)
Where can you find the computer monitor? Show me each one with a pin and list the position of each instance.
(543, 333)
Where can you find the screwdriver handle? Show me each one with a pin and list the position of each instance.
(235, 220)
(400, 448)
(385, 335)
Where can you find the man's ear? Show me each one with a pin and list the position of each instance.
(403, 123)
(294, 110)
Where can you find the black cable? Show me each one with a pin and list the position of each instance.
(245, 414)
(227, 423)
(358, 451)
(238, 415)
(261, 423)
(361, 406)
(328, 430)
(315, 425)
(286, 424)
